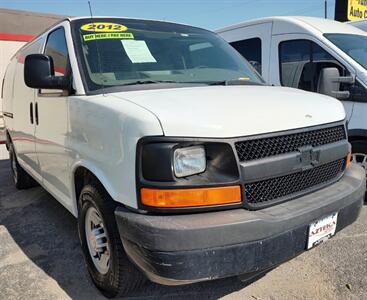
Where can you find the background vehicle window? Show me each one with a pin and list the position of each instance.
(301, 62)
(293, 55)
(57, 49)
(352, 44)
(251, 50)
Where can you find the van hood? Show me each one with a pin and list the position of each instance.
(234, 111)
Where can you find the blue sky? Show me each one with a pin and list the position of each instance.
(209, 14)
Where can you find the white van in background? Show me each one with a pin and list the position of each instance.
(362, 24)
(312, 54)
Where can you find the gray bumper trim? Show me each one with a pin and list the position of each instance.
(216, 229)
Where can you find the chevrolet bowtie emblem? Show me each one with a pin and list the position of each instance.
(308, 157)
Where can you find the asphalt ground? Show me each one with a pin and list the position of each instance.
(40, 258)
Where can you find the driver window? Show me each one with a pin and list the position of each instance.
(301, 62)
(56, 48)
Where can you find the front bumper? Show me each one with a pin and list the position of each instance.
(181, 249)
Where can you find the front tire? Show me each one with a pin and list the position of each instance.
(22, 179)
(107, 263)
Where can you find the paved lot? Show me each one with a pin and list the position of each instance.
(40, 258)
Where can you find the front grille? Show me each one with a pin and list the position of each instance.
(264, 147)
(275, 189)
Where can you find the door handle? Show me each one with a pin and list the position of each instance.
(36, 113)
(31, 112)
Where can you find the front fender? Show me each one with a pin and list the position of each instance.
(103, 135)
(98, 173)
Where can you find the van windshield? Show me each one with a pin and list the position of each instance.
(125, 52)
(352, 44)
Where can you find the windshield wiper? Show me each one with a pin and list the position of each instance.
(224, 82)
(149, 82)
(235, 82)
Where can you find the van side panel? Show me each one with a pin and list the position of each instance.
(8, 93)
(23, 106)
(23, 131)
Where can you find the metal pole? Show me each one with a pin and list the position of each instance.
(325, 9)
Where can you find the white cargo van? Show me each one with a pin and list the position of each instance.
(315, 55)
(179, 163)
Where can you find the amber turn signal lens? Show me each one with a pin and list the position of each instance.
(349, 159)
(175, 198)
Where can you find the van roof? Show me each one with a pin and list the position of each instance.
(108, 17)
(129, 18)
(310, 24)
(70, 19)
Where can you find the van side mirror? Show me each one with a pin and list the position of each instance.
(39, 73)
(329, 83)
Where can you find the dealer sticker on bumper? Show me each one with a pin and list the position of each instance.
(322, 230)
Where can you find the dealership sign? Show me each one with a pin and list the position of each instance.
(350, 10)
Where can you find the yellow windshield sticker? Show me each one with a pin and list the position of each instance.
(103, 27)
(244, 78)
(106, 36)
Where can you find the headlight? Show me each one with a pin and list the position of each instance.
(189, 161)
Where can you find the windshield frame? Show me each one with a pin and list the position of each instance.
(87, 81)
(327, 35)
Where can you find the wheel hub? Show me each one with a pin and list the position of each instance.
(97, 240)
